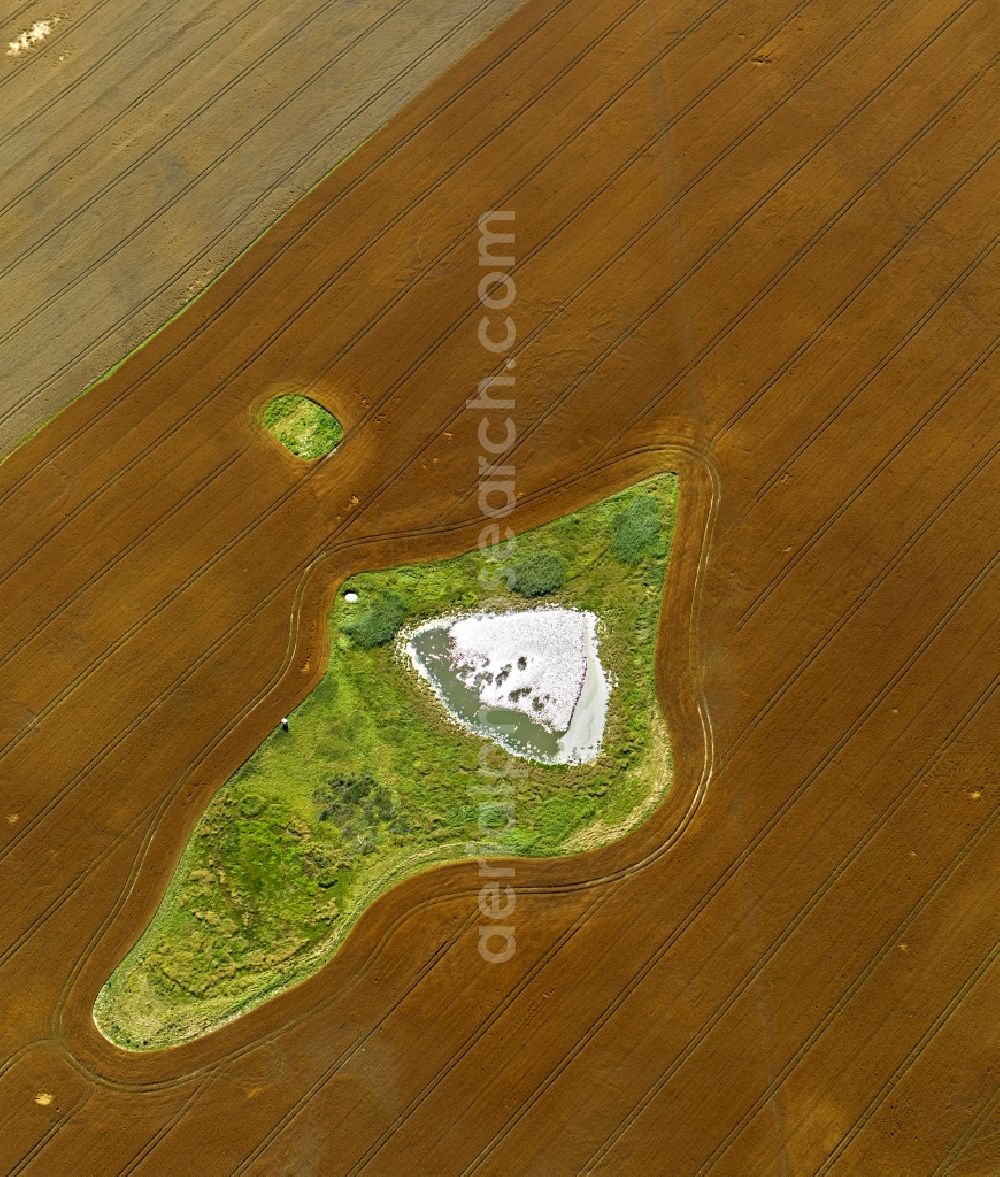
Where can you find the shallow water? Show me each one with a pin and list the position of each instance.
(432, 649)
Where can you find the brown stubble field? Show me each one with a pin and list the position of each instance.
(755, 243)
(144, 146)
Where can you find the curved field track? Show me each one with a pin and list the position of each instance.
(143, 146)
(756, 244)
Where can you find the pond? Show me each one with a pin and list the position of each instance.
(532, 681)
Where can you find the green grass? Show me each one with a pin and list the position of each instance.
(372, 783)
(302, 426)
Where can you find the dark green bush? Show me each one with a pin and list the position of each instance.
(340, 796)
(357, 806)
(537, 573)
(635, 529)
(377, 623)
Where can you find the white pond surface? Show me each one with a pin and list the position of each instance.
(531, 680)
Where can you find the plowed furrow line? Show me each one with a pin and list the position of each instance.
(126, 636)
(582, 290)
(213, 392)
(208, 653)
(195, 180)
(265, 267)
(889, 945)
(58, 1124)
(446, 1069)
(204, 47)
(481, 1029)
(119, 556)
(349, 1052)
(64, 896)
(557, 401)
(752, 305)
(155, 1141)
(706, 899)
(861, 600)
(939, 1023)
(172, 596)
(953, 389)
(103, 59)
(801, 916)
(181, 681)
(212, 1068)
(800, 351)
(954, 1153)
(11, 18)
(68, 518)
(53, 39)
(333, 279)
(150, 708)
(605, 186)
(614, 876)
(839, 409)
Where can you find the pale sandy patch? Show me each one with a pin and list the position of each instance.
(32, 37)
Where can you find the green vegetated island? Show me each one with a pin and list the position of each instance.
(302, 426)
(375, 782)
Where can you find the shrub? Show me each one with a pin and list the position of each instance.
(537, 573)
(351, 801)
(378, 623)
(340, 795)
(635, 529)
(324, 866)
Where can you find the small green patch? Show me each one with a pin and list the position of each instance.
(378, 622)
(302, 426)
(537, 574)
(636, 529)
(372, 783)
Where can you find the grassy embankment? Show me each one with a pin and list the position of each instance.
(372, 783)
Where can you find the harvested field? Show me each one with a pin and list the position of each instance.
(145, 146)
(755, 243)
